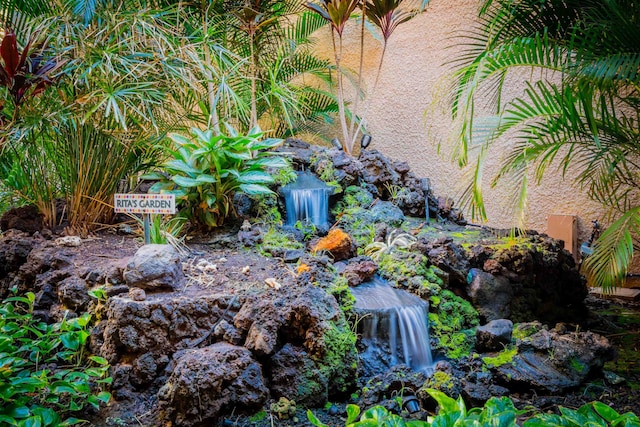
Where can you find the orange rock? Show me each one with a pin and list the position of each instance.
(303, 268)
(338, 243)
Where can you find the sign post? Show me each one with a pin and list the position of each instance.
(145, 204)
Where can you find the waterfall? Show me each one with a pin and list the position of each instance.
(397, 318)
(307, 199)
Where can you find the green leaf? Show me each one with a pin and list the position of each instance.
(186, 182)
(313, 420)
(255, 189)
(352, 413)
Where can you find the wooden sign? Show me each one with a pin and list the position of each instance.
(145, 203)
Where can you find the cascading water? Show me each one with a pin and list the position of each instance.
(307, 199)
(395, 318)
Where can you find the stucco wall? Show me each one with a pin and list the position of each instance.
(405, 116)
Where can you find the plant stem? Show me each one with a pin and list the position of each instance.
(353, 135)
(341, 109)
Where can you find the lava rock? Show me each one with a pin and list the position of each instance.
(24, 218)
(294, 374)
(490, 295)
(359, 270)
(338, 243)
(155, 267)
(552, 362)
(73, 293)
(380, 212)
(206, 382)
(494, 336)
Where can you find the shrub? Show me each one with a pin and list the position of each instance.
(44, 373)
(206, 171)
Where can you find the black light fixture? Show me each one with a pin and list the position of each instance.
(365, 141)
(411, 404)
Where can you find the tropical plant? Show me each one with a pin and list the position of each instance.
(386, 15)
(579, 113)
(25, 72)
(44, 373)
(261, 69)
(395, 240)
(207, 170)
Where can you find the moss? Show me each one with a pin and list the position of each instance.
(326, 171)
(275, 240)
(341, 291)
(502, 358)
(577, 365)
(266, 209)
(441, 381)
(451, 320)
(340, 360)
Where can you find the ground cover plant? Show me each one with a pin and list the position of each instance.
(45, 376)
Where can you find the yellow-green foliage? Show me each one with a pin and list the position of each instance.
(326, 171)
(273, 239)
(340, 361)
(341, 291)
(440, 381)
(502, 358)
(450, 321)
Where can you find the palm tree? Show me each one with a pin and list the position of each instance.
(581, 112)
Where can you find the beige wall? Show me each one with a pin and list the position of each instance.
(407, 121)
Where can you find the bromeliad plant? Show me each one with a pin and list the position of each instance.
(207, 170)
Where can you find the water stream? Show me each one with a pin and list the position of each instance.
(397, 319)
(307, 199)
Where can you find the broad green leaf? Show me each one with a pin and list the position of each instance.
(352, 413)
(255, 189)
(186, 182)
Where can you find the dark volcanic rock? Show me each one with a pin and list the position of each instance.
(294, 373)
(155, 267)
(308, 317)
(447, 256)
(494, 336)
(15, 247)
(207, 382)
(159, 325)
(359, 270)
(72, 292)
(490, 295)
(380, 212)
(24, 218)
(553, 361)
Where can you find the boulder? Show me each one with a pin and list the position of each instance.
(206, 382)
(494, 336)
(306, 317)
(161, 325)
(490, 295)
(155, 267)
(554, 361)
(24, 218)
(379, 212)
(448, 256)
(294, 373)
(338, 243)
(359, 270)
(73, 293)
